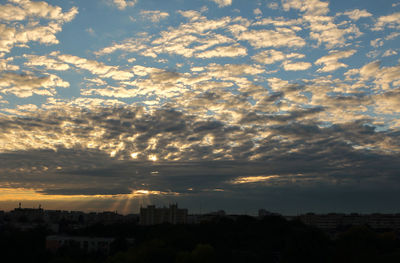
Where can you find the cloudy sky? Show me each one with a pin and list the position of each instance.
(288, 105)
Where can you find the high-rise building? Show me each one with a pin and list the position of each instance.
(151, 215)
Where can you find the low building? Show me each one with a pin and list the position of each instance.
(27, 214)
(151, 215)
(87, 244)
(333, 221)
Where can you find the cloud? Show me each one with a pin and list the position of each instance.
(331, 61)
(356, 14)
(257, 11)
(296, 66)
(223, 116)
(26, 85)
(222, 3)
(309, 7)
(392, 35)
(388, 102)
(17, 33)
(392, 21)
(229, 70)
(273, 5)
(322, 27)
(271, 56)
(185, 40)
(129, 45)
(389, 52)
(90, 31)
(376, 43)
(42, 34)
(154, 15)
(117, 92)
(383, 77)
(122, 4)
(48, 63)
(223, 51)
(93, 155)
(271, 38)
(191, 14)
(188, 39)
(96, 67)
(28, 9)
(5, 64)
(280, 22)
(327, 32)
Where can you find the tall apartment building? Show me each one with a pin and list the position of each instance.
(151, 215)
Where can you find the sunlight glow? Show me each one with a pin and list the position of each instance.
(253, 179)
(152, 157)
(16, 194)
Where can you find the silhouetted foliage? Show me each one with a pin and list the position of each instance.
(246, 239)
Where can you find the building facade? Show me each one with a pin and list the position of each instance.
(151, 215)
(87, 244)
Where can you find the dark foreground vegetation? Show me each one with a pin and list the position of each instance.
(272, 239)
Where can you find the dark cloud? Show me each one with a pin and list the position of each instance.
(301, 157)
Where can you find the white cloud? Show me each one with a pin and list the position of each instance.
(392, 35)
(388, 102)
(273, 5)
(116, 92)
(28, 9)
(368, 70)
(96, 67)
(5, 64)
(270, 38)
(186, 40)
(322, 27)
(230, 70)
(90, 31)
(129, 45)
(18, 34)
(279, 22)
(257, 11)
(327, 32)
(296, 66)
(392, 21)
(26, 85)
(222, 3)
(122, 4)
(383, 77)
(9, 37)
(373, 53)
(309, 7)
(376, 43)
(48, 63)
(356, 14)
(191, 14)
(223, 51)
(331, 63)
(389, 52)
(271, 56)
(154, 15)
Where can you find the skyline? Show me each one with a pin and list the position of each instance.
(292, 106)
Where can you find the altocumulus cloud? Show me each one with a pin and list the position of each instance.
(90, 153)
(290, 103)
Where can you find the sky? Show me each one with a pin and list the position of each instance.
(288, 105)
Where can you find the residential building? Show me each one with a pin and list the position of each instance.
(173, 215)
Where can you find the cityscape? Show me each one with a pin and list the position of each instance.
(103, 236)
(191, 131)
(28, 218)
